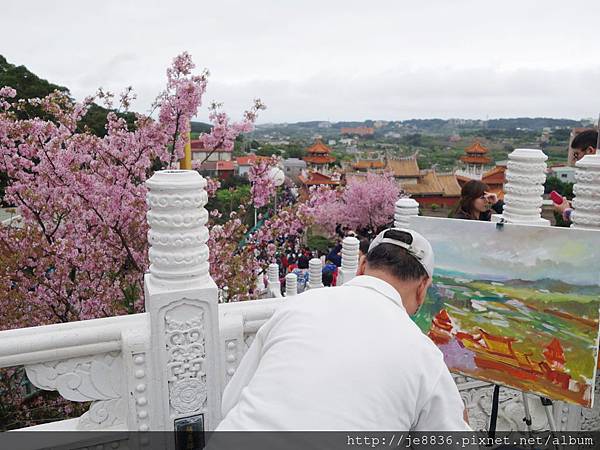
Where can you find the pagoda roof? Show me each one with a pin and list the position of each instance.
(475, 159)
(319, 159)
(319, 148)
(476, 149)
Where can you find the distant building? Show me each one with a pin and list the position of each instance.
(199, 153)
(426, 186)
(244, 163)
(358, 131)
(218, 169)
(564, 173)
(331, 142)
(293, 167)
(347, 141)
(319, 156)
(474, 161)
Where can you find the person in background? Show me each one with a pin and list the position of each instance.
(584, 144)
(363, 247)
(335, 255)
(327, 279)
(476, 203)
(330, 268)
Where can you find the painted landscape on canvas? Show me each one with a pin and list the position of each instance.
(517, 306)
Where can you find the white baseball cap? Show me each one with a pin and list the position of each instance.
(413, 242)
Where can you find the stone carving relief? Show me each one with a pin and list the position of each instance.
(185, 344)
(94, 378)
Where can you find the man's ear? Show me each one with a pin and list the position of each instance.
(362, 265)
(590, 150)
(422, 290)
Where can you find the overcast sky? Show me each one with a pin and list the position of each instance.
(328, 59)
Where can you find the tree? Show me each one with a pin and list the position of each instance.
(82, 251)
(362, 205)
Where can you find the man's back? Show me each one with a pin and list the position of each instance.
(345, 358)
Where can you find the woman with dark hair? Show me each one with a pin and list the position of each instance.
(476, 203)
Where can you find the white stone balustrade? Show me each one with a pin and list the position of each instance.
(586, 203)
(315, 274)
(524, 188)
(404, 209)
(291, 284)
(350, 248)
(273, 283)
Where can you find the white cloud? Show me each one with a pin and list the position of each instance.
(336, 60)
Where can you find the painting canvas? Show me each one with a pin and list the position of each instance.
(516, 305)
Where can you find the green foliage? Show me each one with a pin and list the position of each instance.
(228, 199)
(555, 184)
(319, 243)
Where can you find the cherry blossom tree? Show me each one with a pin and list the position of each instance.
(363, 204)
(82, 250)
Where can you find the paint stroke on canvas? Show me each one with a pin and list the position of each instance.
(516, 306)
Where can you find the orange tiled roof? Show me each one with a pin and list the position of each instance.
(476, 148)
(217, 165)
(449, 185)
(319, 148)
(314, 178)
(319, 159)
(404, 168)
(494, 176)
(246, 160)
(368, 164)
(475, 159)
(428, 185)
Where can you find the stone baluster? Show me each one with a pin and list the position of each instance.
(524, 188)
(586, 204)
(291, 284)
(315, 274)
(182, 302)
(350, 246)
(405, 208)
(273, 283)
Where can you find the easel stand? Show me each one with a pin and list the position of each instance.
(546, 402)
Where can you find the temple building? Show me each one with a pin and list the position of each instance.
(319, 156)
(427, 187)
(474, 161)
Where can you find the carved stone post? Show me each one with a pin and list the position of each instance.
(274, 286)
(291, 284)
(524, 188)
(586, 204)
(350, 246)
(315, 274)
(405, 208)
(181, 299)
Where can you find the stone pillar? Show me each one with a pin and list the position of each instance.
(315, 274)
(291, 284)
(405, 208)
(350, 246)
(586, 204)
(274, 286)
(525, 177)
(182, 303)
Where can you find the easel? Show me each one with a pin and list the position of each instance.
(546, 402)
